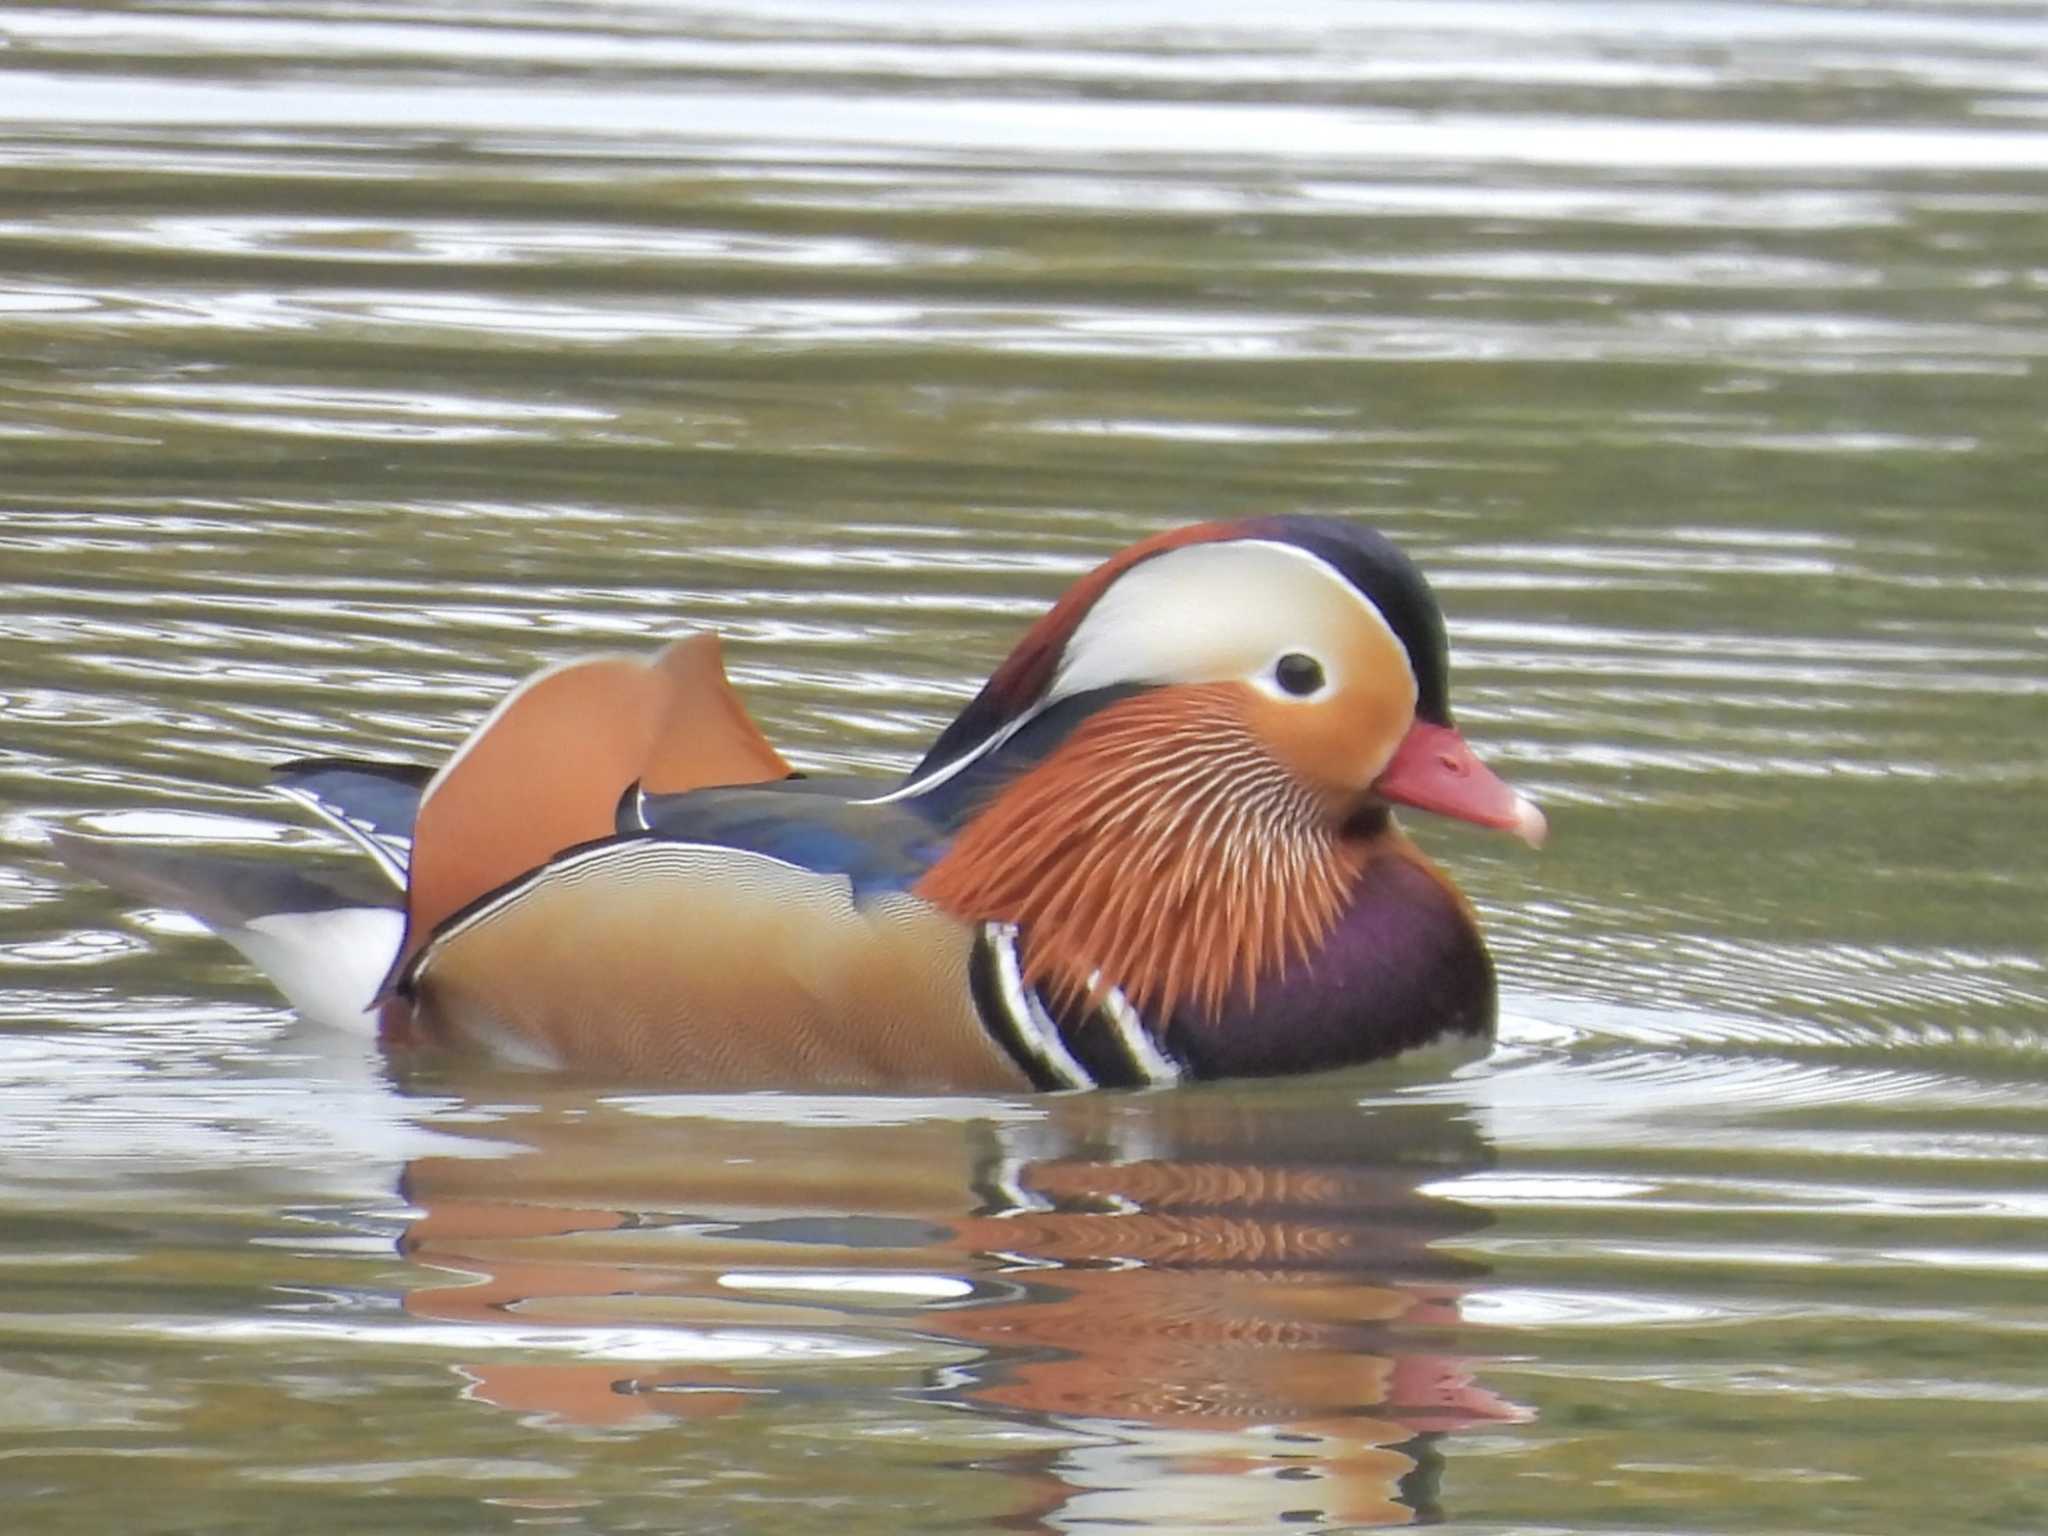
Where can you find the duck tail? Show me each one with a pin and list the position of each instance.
(326, 942)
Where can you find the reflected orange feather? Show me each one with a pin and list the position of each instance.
(1161, 849)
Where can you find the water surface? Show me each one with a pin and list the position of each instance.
(359, 360)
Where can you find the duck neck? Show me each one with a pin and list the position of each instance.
(1160, 849)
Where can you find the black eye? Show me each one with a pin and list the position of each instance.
(1298, 674)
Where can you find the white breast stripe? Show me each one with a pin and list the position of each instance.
(1035, 1029)
(1157, 1068)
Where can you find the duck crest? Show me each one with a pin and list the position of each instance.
(1160, 850)
(1020, 683)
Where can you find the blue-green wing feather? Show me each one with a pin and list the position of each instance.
(815, 824)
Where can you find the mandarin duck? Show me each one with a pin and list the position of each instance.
(1156, 846)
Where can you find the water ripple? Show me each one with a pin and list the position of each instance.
(361, 363)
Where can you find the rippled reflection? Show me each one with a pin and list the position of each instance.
(361, 362)
(1199, 1317)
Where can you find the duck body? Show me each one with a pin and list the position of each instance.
(1156, 847)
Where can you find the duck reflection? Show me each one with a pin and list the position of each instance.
(1200, 1309)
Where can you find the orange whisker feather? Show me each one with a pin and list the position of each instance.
(1160, 850)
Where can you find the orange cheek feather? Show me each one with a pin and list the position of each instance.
(1340, 744)
(1162, 849)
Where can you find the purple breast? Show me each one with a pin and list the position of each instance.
(1403, 967)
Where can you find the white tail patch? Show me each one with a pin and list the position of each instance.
(329, 964)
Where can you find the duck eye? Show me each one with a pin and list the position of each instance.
(1298, 674)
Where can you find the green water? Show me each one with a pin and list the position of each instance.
(355, 361)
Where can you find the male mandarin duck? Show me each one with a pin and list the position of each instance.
(1157, 846)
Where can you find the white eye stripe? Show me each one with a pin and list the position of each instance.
(1221, 611)
(1218, 612)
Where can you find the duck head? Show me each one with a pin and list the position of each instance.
(1176, 783)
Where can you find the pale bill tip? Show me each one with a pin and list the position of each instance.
(1530, 825)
